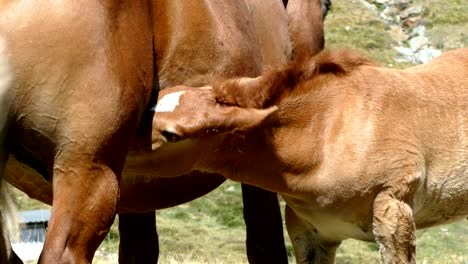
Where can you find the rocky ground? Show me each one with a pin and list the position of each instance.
(406, 27)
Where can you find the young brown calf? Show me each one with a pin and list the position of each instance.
(356, 150)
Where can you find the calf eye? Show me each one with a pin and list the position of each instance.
(170, 137)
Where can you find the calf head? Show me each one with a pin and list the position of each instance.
(194, 113)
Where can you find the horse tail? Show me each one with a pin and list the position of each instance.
(6, 253)
(9, 209)
(8, 222)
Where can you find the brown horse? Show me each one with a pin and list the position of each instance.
(306, 25)
(356, 150)
(226, 45)
(82, 75)
(197, 41)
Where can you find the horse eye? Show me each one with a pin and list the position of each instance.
(170, 137)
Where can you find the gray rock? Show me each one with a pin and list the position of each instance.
(401, 4)
(418, 43)
(405, 52)
(427, 54)
(398, 34)
(390, 13)
(418, 31)
(398, 14)
(411, 11)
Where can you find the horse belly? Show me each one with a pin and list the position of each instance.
(443, 199)
(335, 222)
(335, 228)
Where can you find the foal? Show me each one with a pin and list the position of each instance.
(357, 151)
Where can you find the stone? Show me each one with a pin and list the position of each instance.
(401, 4)
(413, 22)
(411, 11)
(398, 34)
(427, 54)
(419, 30)
(390, 13)
(418, 42)
(406, 52)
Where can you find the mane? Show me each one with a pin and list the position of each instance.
(281, 81)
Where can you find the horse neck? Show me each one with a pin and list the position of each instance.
(272, 34)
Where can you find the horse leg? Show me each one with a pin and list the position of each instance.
(262, 216)
(138, 238)
(84, 207)
(308, 246)
(394, 229)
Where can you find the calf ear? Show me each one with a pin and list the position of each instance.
(226, 119)
(238, 119)
(243, 92)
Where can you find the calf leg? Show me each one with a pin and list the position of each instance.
(394, 229)
(262, 216)
(308, 246)
(138, 238)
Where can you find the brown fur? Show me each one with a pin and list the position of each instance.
(305, 19)
(195, 42)
(357, 151)
(279, 83)
(82, 75)
(200, 68)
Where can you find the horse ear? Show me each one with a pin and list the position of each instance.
(243, 92)
(237, 119)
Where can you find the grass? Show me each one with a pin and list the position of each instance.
(201, 232)
(447, 22)
(211, 230)
(350, 25)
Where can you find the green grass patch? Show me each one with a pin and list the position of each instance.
(350, 25)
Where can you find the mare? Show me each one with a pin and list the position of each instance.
(197, 42)
(356, 150)
(82, 74)
(193, 48)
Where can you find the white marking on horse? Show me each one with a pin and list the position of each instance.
(168, 103)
